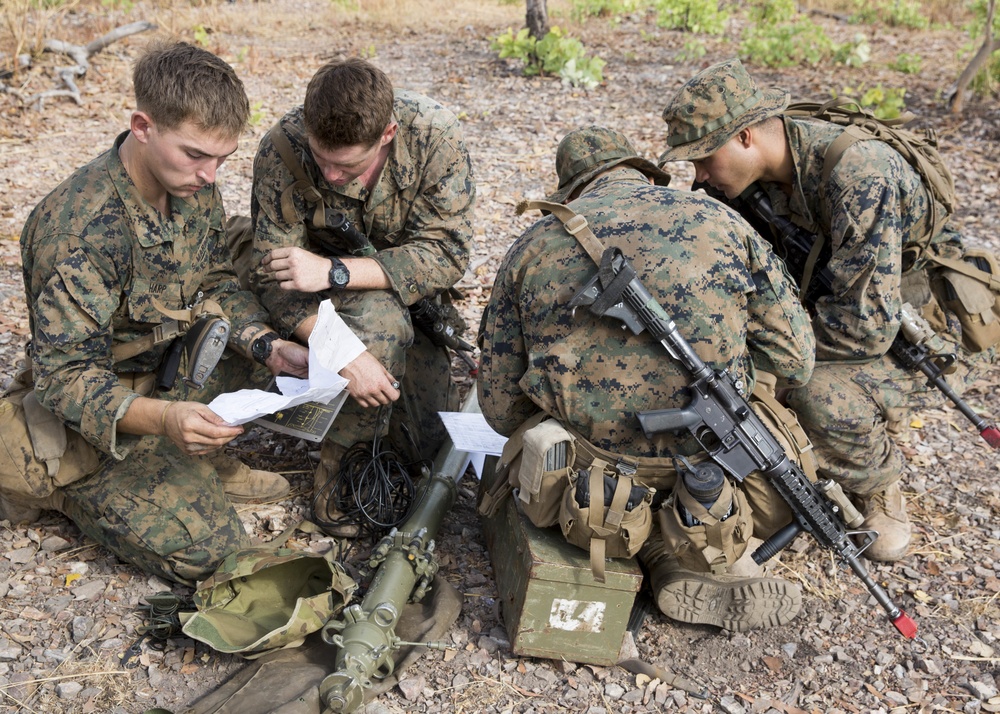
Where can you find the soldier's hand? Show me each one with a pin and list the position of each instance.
(289, 358)
(297, 269)
(195, 429)
(370, 384)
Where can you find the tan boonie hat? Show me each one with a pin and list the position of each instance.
(584, 153)
(714, 106)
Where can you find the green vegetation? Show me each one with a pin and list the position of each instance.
(554, 54)
(987, 82)
(702, 16)
(895, 13)
(907, 63)
(884, 102)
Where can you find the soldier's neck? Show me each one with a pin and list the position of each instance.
(132, 157)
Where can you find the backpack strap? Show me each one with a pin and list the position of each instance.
(573, 222)
(302, 184)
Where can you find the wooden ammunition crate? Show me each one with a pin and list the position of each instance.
(551, 604)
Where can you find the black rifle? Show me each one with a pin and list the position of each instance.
(910, 345)
(722, 421)
(426, 314)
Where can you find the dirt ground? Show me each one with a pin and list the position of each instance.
(69, 607)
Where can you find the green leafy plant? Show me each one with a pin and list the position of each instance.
(895, 13)
(884, 102)
(555, 54)
(701, 16)
(694, 49)
(201, 34)
(256, 113)
(771, 12)
(582, 9)
(787, 44)
(854, 53)
(907, 63)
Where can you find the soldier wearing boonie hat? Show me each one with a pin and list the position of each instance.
(713, 107)
(865, 207)
(702, 260)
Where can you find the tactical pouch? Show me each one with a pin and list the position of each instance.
(612, 519)
(38, 454)
(713, 544)
(970, 288)
(268, 597)
(547, 458)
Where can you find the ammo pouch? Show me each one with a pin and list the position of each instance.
(547, 458)
(606, 513)
(713, 544)
(38, 454)
(970, 288)
(268, 597)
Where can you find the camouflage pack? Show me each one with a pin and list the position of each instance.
(268, 597)
(919, 148)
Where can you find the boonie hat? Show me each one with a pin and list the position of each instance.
(584, 153)
(714, 106)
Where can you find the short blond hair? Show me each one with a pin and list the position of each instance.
(177, 82)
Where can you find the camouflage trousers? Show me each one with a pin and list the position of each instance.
(853, 412)
(159, 509)
(422, 368)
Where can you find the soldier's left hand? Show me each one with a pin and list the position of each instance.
(295, 268)
(289, 358)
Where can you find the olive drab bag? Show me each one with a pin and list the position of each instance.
(919, 148)
(268, 597)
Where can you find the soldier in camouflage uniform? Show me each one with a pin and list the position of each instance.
(395, 165)
(136, 231)
(728, 295)
(872, 204)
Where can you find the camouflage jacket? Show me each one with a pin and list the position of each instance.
(94, 256)
(727, 293)
(418, 216)
(872, 205)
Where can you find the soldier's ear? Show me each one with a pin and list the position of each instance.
(141, 126)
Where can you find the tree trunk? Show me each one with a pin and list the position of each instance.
(982, 57)
(537, 18)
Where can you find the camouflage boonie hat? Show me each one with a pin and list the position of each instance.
(584, 153)
(714, 106)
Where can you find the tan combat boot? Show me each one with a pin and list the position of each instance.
(28, 510)
(325, 512)
(736, 603)
(885, 512)
(243, 484)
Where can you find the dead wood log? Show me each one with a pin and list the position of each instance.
(81, 54)
(956, 99)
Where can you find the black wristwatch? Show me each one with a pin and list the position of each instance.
(340, 276)
(261, 347)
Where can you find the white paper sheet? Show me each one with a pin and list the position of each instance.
(332, 345)
(470, 432)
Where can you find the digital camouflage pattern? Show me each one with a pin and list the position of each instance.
(418, 217)
(873, 204)
(727, 293)
(714, 106)
(94, 256)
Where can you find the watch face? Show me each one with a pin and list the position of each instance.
(340, 276)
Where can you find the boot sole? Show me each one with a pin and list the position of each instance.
(738, 606)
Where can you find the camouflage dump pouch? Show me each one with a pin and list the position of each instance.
(546, 466)
(606, 513)
(970, 288)
(720, 537)
(268, 597)
(38, 454)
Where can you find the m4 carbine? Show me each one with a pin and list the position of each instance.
(910, 345)
(722, 421)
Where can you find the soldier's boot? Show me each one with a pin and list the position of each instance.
(885, 512)
(243, 484)
(735, 603)
(28, 510)
(326, 514)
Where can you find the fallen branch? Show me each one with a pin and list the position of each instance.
(81, 54)
(956, 99)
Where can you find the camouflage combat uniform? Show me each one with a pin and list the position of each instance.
(727, 293)
(95, 255)
(872, 205)
(418, 217)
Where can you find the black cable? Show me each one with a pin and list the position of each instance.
(372, 490)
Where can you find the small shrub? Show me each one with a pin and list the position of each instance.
(554, 54)
(895, 13)
(786, 45)
(694, 49)
(854, 53)
(884, 102)
(701, 16)
(907, 63)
